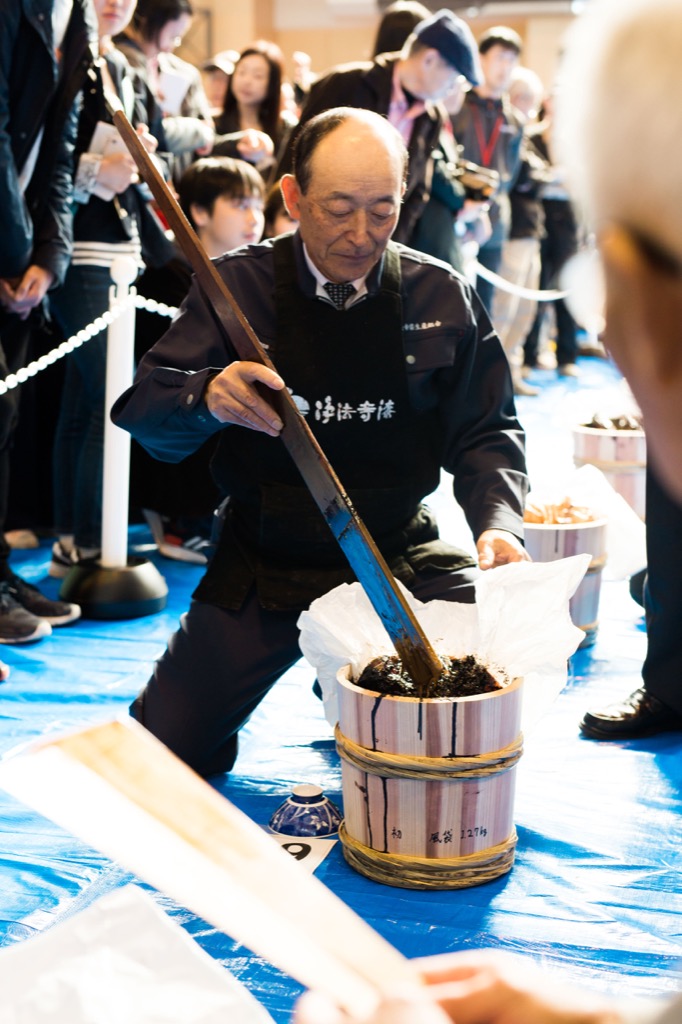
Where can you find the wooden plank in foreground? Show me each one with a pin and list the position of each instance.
(122, 791)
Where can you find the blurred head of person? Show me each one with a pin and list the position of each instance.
(622, 117)
(159, 25)
(278, 220)
(436, 54)
(254, 92)
(619, 135)
(303, 75)
(499, 51)
(223, 200)
(526, 92)
(398, 21)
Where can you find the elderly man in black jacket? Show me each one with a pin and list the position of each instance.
(392, 359)
(404, 87)
(46, 48)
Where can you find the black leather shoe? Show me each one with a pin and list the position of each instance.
(640, 714)
(637, 581)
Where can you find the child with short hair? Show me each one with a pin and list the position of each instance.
(223, 200)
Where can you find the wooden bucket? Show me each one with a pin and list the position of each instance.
(546, 542)
(620, 455)
(428, 786)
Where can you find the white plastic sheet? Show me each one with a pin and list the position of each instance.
(625, 531)
(519, 624)
(121, 959)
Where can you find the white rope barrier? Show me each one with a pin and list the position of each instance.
(98, 325)
(516, 289)
(103, 322)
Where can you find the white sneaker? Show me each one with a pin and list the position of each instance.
(546, 360)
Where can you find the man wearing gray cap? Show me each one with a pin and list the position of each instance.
(404, 87)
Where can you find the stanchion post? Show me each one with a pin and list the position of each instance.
(117, 586)
(120, 362)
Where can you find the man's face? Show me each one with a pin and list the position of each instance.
(352, 204)
(454, 100)
(437, 77)
(497, 65)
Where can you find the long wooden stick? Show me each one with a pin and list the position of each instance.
(119, 789)
(364, 557)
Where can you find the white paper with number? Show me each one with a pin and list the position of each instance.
(309, 851)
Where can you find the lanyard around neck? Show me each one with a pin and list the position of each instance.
(487, 148)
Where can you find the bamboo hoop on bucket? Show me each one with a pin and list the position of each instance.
(401, 766)
(426, 873)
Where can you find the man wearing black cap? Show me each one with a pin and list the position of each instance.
(405, 88)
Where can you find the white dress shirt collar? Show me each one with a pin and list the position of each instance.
(320, 281)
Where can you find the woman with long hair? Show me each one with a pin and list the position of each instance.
(254, 123)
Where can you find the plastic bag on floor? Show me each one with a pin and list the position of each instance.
(520, 624)
(625, 531)
(122, 959)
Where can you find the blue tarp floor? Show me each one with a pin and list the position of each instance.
(595, 889)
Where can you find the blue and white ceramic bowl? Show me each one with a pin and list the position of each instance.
(307, 812)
